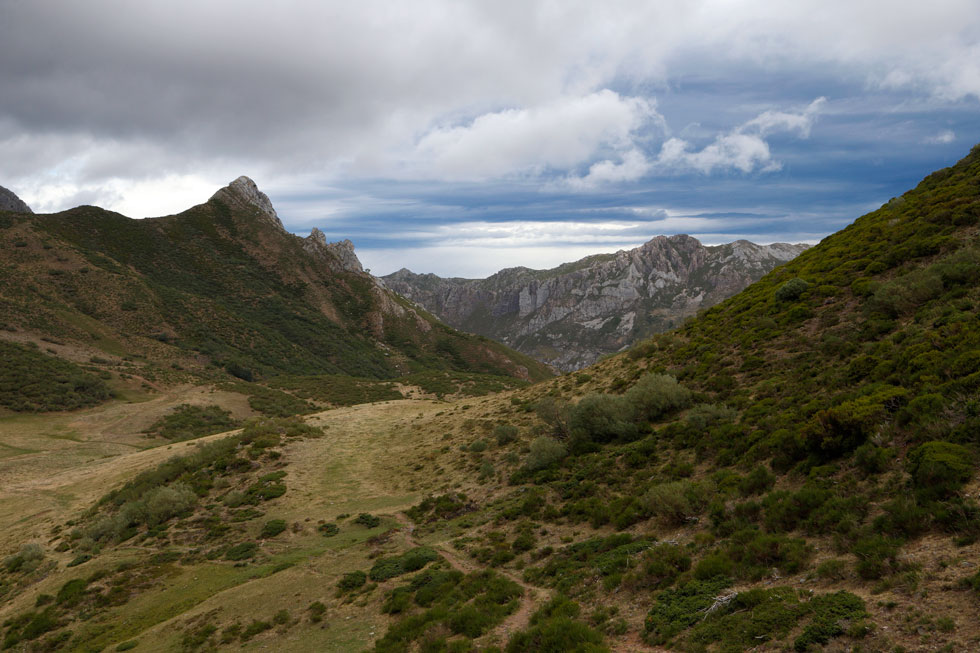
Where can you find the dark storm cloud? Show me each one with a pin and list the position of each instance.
(437, 122)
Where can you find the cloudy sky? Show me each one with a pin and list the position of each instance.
(462, 137)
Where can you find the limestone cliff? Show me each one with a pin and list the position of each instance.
(573, 314)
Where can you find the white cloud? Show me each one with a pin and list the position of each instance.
(742, 149)
(769, 122)
(633, 165)
(942, 138)
(558, 135)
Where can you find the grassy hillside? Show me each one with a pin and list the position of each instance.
(794, 469)
(219, 290)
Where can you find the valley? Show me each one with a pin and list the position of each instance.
(793, 468)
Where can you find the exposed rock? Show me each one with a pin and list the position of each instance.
(343, 251)
(10, 202)
(243, 193)
(573, 314)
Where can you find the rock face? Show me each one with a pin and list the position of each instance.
(573, 314)
(343, 250)
(10, 202)
(244, 193)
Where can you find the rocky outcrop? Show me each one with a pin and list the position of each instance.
(573, 314)
(10, 202)
(243, 193)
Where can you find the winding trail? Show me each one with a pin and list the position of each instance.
(533, 596)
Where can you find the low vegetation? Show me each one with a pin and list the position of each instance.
(33, 381)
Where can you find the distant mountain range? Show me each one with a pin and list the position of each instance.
(220, 285)
(572, 315)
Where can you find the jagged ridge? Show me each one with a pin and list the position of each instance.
(572, 315)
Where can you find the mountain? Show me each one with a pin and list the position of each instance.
(221, 286)
(10, 202)
(572, 315)
(794, 468)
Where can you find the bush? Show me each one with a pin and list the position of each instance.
(940, 469)
(545, 452)
(657, 395)
(186, 422)
(273, 528)
(351, 581)
(676, 502)
(71, 593)
(675, 610)
(704, 416)
(830, 613)
(714, 565)
(328, 530)
(505, 434)
(411, 560)
(876, 555)
(759, 480)
(317, 610)
(661, 566)
(554, 628)
(791, 290)
(164, 503)
(243, 551)
(603, 418)
(367, 520)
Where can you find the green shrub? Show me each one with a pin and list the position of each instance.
(791, 290)
(833, 570)
(554, 629)
(940, 469)
(411, 560)
(830, 613)
(872, 459)
(367, 520)
(876, 555)
(714, 565)
(165, 503)
(657, 395)
(545, 452)
(660, 567)
(604, 418)
(71, 593)
(254, 628)
(759, 480)
(505, 434)
(186, 422)
(243, 551)
(703, 416)
(32, 381)
(328, 530)
(272, 528)
(748, 619)
(676, 502)
(674, 610)
(317, 610)
(351, 581)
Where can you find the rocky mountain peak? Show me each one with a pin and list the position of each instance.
(244, 192)
(343, 251)
(10, 202)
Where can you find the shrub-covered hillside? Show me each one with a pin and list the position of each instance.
(795, 467)
(221, 287)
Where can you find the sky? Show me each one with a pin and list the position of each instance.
(464, 137)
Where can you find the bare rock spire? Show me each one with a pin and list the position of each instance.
(243, 192)
(10, 202)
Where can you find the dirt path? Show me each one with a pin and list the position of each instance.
(531, 601)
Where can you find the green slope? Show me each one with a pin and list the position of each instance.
(822, 423)
(221, 286)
